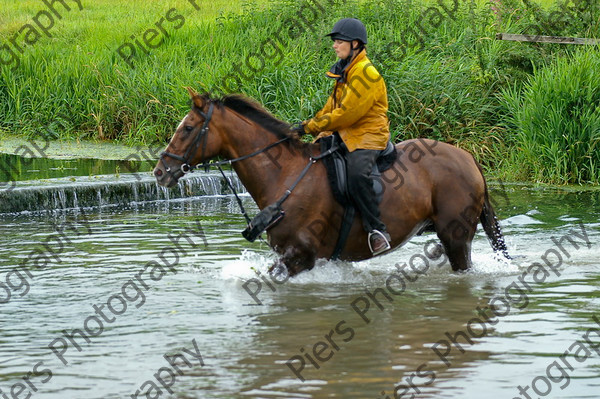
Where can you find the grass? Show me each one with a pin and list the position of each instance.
(76, 84)
(447, 80)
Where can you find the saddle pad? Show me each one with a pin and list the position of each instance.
(336, 167)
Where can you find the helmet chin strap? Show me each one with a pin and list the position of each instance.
(354, 51)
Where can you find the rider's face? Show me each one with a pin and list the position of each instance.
(342, 48)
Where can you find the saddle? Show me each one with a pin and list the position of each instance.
(335, 165)
(337, 171)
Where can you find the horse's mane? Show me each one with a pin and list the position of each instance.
(252, 110)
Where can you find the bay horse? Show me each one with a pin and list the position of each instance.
(431, 186)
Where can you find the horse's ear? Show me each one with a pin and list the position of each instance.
(192, 92)
(195, 97)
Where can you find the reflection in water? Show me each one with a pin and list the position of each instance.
(245, 347)
(17, 168)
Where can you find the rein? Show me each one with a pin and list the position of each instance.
(230, 161)
(273, 213)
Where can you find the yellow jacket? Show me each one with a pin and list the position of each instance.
(357, 108)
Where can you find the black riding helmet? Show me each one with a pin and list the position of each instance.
(349, 29)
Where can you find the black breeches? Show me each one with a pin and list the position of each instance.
(360, 187)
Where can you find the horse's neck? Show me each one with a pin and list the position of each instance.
(263, 175)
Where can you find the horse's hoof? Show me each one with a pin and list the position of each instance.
(437, 252)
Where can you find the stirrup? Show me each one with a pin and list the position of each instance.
(387, 242)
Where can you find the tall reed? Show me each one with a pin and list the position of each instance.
(555, 118)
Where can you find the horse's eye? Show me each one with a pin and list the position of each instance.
(189, 128)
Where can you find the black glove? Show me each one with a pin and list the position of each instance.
(298, 128)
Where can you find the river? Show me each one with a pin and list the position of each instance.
(94, 273)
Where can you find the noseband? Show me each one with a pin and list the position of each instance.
(201, 136)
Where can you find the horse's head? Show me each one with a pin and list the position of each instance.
(191, 144)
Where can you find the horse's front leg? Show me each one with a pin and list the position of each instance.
(294, 260)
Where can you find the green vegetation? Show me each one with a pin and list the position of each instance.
(508, 103)
(556, 120)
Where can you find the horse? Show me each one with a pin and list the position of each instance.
(431, 186)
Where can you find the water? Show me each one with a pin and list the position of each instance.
(15, 167)
(245, 346)
(107, 190)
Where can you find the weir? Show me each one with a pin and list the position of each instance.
(108, 190)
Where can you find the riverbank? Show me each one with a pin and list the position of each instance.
(63, 149)
(115, 79)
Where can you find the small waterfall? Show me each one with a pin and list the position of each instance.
(108, 190)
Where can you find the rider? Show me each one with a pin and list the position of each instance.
(357, 111)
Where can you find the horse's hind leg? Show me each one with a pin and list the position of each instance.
(459, 254)
(456, 237)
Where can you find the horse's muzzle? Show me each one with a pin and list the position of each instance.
(165, 179)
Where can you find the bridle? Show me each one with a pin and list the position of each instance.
(201, 138)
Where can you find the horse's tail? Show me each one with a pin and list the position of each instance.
(490, 224)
